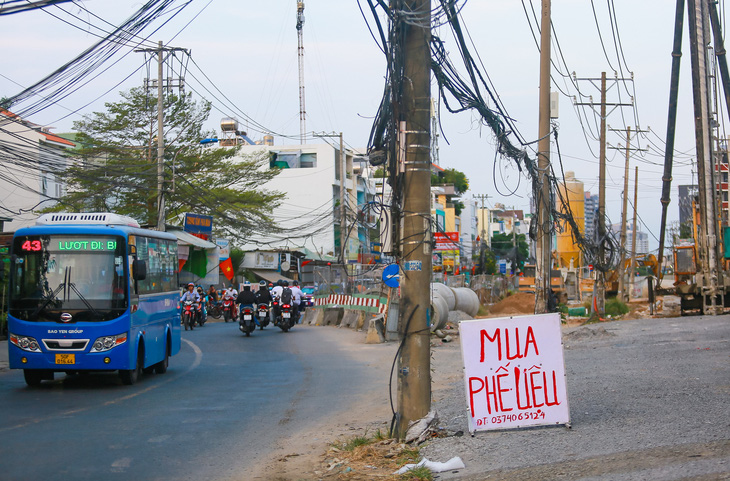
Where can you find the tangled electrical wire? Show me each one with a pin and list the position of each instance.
(466, 93)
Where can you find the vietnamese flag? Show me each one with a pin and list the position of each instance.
(227, 268)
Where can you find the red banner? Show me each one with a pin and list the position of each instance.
(227, 268)
(446, 241)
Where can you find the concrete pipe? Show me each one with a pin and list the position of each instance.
(439, 313)
(466, 300)
(444, 291)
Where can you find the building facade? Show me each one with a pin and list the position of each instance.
(32, 157)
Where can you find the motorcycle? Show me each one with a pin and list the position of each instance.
(215, 309)
(262, 315)
(201, 315)
(188, 315)
(288, 317)
(228, 309)
(246, 323)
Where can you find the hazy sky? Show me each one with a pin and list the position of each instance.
(248, 51)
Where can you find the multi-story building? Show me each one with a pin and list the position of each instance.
(32, 157)
(591, 216)
(310, 212)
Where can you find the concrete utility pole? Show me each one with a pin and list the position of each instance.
(622, 294)
(633, 231)
(543, 204)
(599, 286)
(414, 362)
(160, 51)
(622, 256)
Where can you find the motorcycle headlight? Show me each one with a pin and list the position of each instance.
(25, 343)
(105, 343)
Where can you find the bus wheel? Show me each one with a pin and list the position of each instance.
(33, 377)
(130, 376)
(161, 367)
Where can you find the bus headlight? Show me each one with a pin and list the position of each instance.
(26, 343)
(105, 343)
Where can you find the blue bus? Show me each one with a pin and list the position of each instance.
(92, 292)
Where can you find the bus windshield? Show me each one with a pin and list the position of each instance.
(54, 276)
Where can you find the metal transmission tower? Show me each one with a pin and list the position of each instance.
(300, 55)
(161, 83)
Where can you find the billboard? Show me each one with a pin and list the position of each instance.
(446, 241)
(198, 225)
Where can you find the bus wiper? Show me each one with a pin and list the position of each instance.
(48, 299)
(83, 299)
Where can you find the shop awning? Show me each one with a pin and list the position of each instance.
(271, 276)
(189, 239)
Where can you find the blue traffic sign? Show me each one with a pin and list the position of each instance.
(391, 275)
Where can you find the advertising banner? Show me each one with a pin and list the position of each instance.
(266, 260)
(514, 372)
(446, 241)
(199, 225)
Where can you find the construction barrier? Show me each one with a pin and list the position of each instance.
(363, 303)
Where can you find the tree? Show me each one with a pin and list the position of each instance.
(458, 180)
(114, 168)
(451, 176)
(503, 246)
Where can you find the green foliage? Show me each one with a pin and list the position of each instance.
(503, 246)
(451, 176)
(379, 173)
(409, 455)
(615, 307)
(236, 259)
(114, 168)
(421, 473)
(353, 443)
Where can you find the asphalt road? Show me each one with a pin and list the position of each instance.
(223, 407)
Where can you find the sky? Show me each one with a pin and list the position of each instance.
(244, 59)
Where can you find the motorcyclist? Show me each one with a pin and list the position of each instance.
(231, 293)
(203, 303)
(263, 296)
(212, 295)
(297, 296)
(276, 295)
(190, 294)
(246, 298)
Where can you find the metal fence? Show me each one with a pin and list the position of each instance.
(366, 279)
(348, 279)
(491, 289)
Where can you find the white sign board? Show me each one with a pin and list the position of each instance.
(224, 245)
(266, 260)
(514, 372)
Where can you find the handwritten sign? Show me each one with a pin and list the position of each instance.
(514, 372)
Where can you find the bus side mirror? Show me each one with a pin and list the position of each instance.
(139, 270)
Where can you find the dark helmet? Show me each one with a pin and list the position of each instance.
(295, 283)
(285, 283)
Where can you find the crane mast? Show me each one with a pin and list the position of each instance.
(300, 55)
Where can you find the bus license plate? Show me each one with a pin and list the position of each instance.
(65, 358)
(286, 314)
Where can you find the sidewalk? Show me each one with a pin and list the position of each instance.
(3, 355)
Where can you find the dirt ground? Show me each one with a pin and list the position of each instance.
(518, 303)
(323, 454)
